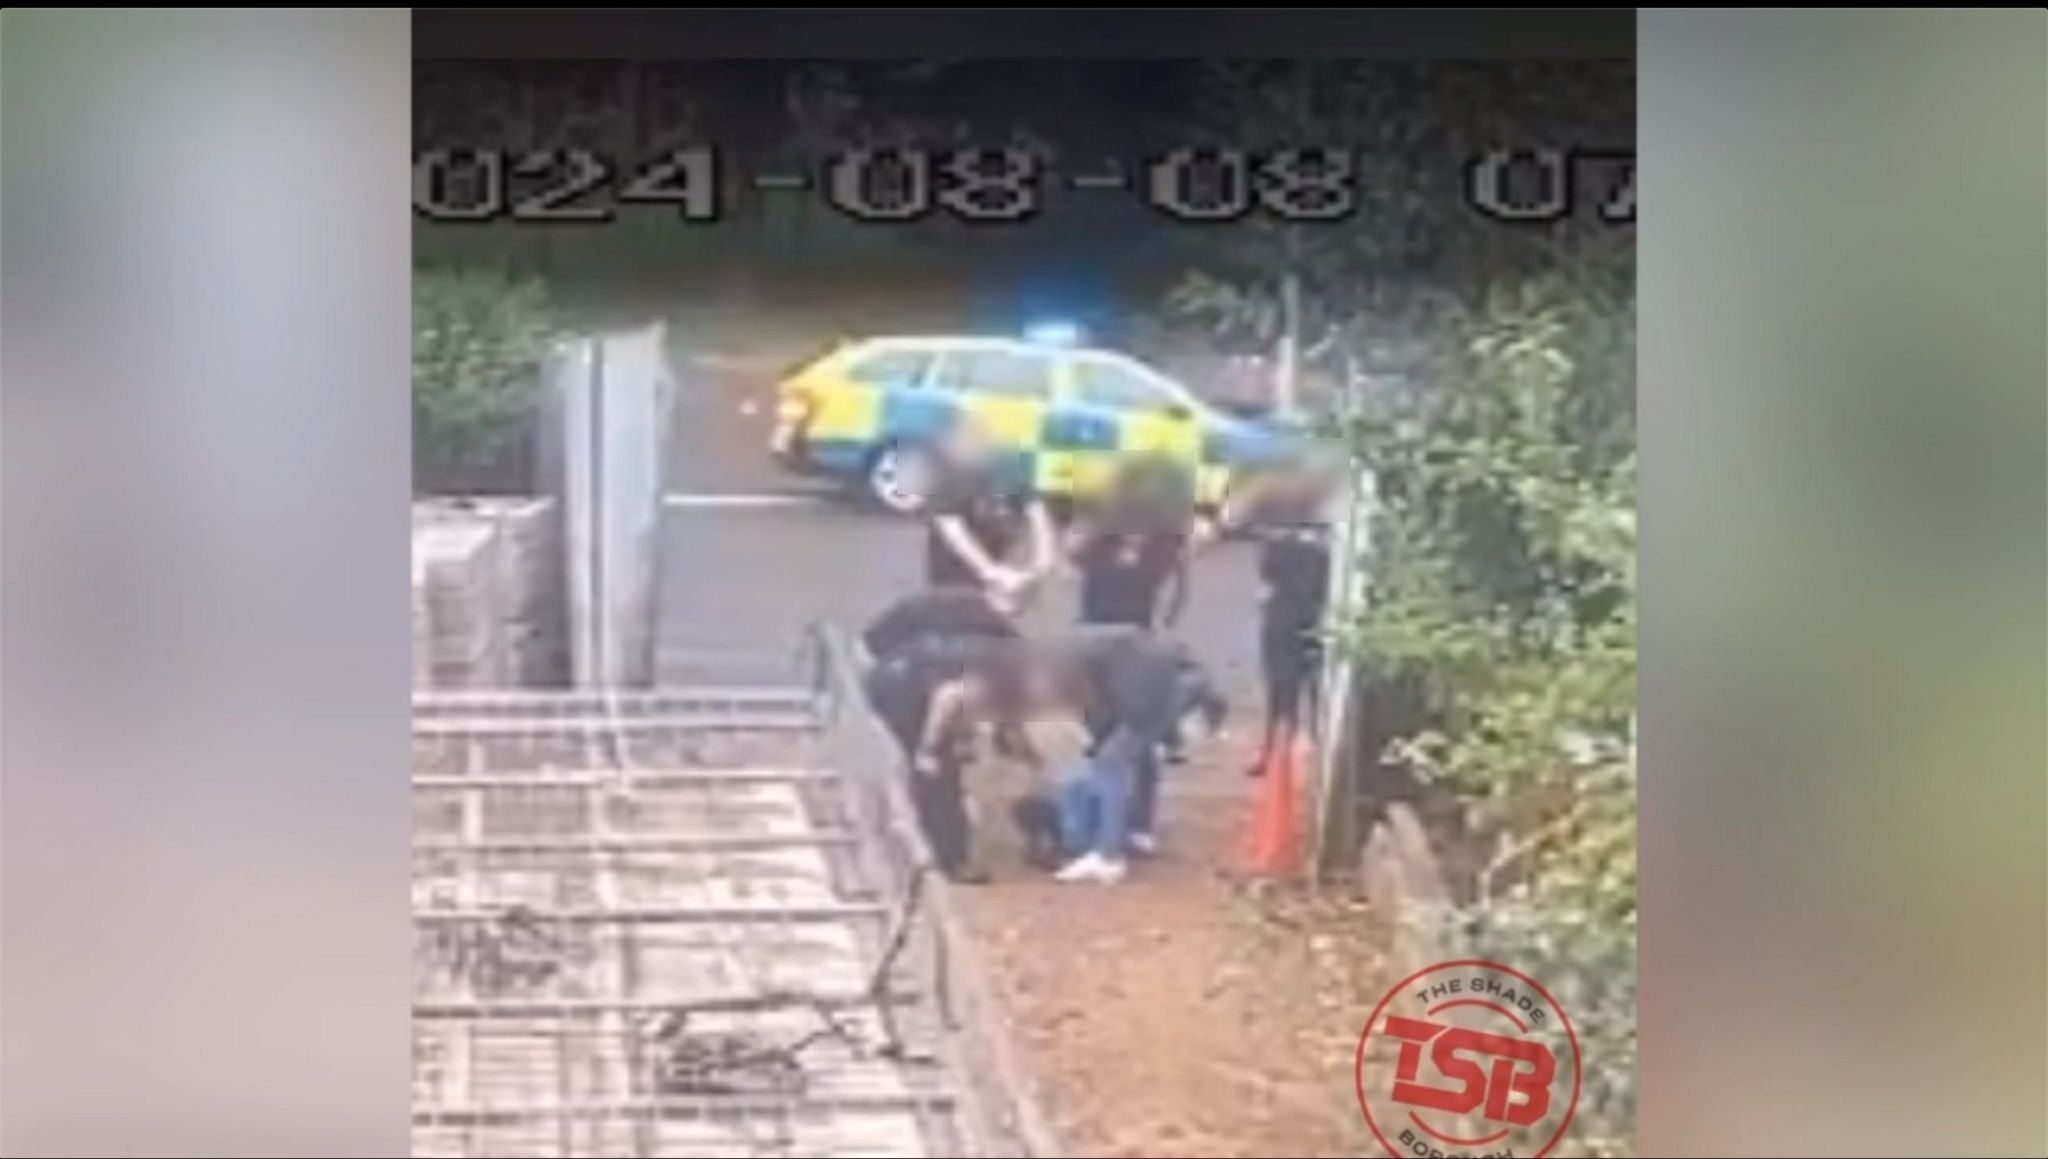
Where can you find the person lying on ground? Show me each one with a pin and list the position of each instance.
(1058, 743)
(1128, 687)
(1074, 823)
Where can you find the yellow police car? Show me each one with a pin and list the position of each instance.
(1063, 418)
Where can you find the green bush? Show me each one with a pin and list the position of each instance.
(1588, 964)
(1502, 580)
(1503, 566)
(478, 340)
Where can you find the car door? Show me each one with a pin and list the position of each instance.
(1147, 414)
(1007, 392)
(865, 402)
(1078, 453)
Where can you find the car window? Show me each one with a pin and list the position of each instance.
(1013, 373)
(1102, 382)
(890, 368)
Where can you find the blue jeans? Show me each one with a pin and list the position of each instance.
(1102, 802)
(1091, 807)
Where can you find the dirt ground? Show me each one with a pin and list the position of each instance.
(1188, 1011)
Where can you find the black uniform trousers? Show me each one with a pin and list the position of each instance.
(901, 695)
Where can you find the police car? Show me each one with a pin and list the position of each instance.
(1063, 418)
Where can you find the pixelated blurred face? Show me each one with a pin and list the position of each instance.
(1016, 693)
(1300, 489)
(967, 443)
(1151, 495)
(1043, 689)
(1320, 470)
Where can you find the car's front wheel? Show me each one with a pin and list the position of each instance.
(900, 478)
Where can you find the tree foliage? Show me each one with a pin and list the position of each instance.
(1415, 252)
(478, 340)
(1502, 578)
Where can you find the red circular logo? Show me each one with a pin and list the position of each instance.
(1468, 1059)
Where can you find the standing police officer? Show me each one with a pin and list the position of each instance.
(977, 518)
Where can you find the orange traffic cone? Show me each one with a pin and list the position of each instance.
(1272, 846)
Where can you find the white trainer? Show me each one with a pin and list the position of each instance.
(1143, 844)
(1082, 868)
(1092, 867)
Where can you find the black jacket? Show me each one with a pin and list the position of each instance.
(939, 612)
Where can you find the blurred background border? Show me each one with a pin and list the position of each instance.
(1842, 304)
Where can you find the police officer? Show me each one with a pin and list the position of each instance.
(1288, 516)
(977, 518)
(1134, 565)
(952, 611)
(1132, 556)
(919, 645)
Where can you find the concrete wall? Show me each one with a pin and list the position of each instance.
(455, 565)
(488, 605)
